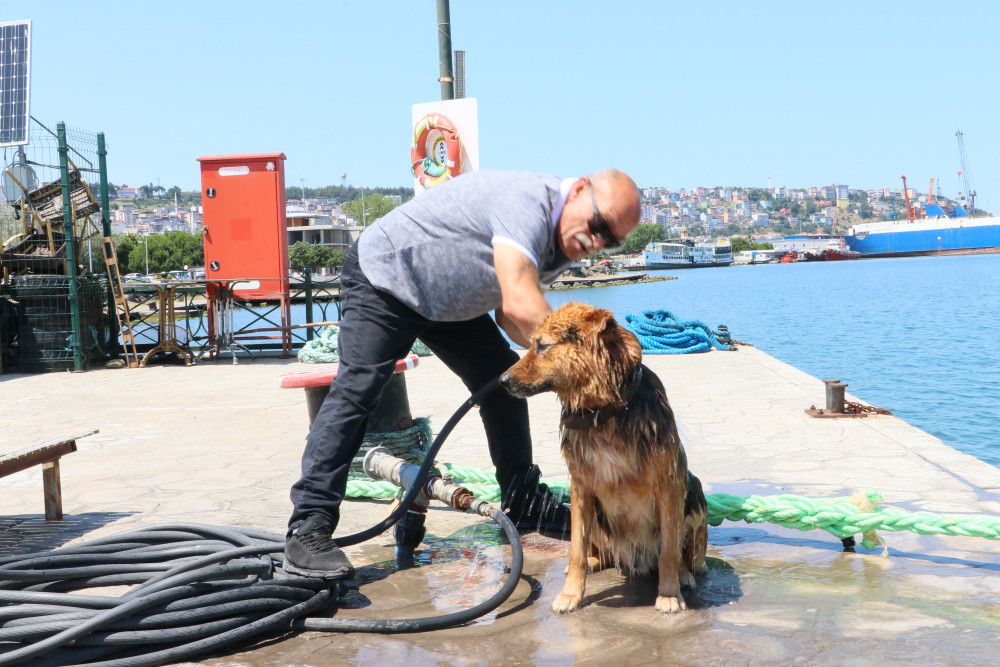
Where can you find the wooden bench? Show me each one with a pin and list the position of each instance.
(47, 455)
(393, 410)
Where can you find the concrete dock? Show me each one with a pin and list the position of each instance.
(220, 444)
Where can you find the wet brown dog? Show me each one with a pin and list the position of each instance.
(634, 503)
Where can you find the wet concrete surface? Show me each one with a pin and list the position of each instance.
(220, 444)
(770, 597)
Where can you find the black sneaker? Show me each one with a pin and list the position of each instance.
(310, 552)
(531, 506)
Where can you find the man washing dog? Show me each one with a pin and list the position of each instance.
(434, 268)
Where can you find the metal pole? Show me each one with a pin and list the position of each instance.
(447, 77)
(307, 278)
(102, 162)
(70, 239)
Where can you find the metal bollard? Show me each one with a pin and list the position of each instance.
(835, 396)
(390, 415)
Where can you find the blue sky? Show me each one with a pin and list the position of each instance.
(678, 94)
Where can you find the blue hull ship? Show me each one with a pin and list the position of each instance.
(935, 234)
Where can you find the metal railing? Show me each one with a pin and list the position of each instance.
(256, 323)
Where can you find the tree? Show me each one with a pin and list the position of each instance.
(757, 194)
(305, 255)
(643, 235)
(368, 210)
(166, 252)
(741, 243)
(124, 245)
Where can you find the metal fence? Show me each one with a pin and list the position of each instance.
(53, 310)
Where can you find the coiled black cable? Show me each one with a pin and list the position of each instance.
(197, 589)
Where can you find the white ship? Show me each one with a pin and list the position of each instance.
(681, 255)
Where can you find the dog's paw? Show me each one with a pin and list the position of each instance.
(687, 579)
(670, 605)
(566, 602)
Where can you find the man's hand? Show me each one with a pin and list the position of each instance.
(524, 305)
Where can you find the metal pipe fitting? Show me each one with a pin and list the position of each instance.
(379, 463)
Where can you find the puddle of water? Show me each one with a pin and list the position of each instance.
(771, 596)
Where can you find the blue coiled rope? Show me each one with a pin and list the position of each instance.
(661, 332)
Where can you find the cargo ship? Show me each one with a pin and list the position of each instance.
(939, 232)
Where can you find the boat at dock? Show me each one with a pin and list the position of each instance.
(834, 250)
(939, 232)
(686, 255)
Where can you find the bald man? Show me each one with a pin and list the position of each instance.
(433, 269)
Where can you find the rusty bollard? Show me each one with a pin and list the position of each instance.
(835, 396)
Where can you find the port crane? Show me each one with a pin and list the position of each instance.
(910, 215)
(970, 194)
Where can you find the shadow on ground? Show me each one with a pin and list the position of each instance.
(28, 533)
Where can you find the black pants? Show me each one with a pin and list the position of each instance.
(376, 330)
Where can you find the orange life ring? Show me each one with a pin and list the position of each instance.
(443, 160)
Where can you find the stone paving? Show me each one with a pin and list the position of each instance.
(220, 444)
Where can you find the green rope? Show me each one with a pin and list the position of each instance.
(841, 517)
(410, 444)
(845, 517)
(323, 350)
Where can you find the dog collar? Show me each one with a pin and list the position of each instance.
(598, 417)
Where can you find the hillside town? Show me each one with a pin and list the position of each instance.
(708, 210)
(684, 212)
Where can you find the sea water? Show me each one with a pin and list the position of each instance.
(916, 336)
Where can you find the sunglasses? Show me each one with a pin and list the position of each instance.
(599, 228)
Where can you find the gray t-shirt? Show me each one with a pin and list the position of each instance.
(435, 253)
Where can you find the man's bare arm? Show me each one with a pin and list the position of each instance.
(524, 305)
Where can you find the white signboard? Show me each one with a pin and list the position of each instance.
(445, 141)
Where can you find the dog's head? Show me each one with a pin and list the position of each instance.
(581, 354)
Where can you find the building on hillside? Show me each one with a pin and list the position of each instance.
(320, 230)
(803, 242)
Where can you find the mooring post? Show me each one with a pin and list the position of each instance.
(835, 396)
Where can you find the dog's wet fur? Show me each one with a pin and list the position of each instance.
(634, 503)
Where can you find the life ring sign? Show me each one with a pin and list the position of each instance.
(436, 150)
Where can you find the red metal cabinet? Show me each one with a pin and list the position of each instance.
(243, 198)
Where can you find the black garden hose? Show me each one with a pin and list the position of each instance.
(197, 589)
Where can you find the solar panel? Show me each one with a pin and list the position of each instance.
(15, 75)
